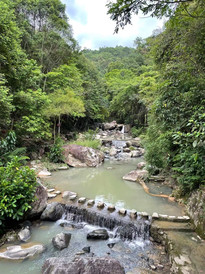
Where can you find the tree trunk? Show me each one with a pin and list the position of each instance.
(59, 125)
(54, 130)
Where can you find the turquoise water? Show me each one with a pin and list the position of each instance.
(105, 183)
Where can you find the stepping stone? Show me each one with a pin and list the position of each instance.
(90, 202)
(111, 208)
(82, 200)
(122, 211)
(50, 190)
(51, 195)
(100, 205)
(73, 197)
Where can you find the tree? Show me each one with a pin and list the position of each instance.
(121, 11)
(63, 102)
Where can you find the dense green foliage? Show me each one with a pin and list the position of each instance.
(18, 185)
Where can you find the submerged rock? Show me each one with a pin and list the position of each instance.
(53, 212)
(103, 265)
(98, 234)
(79, 156)
(17, 252)
(61, 240)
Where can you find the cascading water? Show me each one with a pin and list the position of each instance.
(123, 228)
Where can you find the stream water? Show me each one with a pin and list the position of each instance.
(105, 183)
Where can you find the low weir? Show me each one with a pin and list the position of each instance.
(123, 227)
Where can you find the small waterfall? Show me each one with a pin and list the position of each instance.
(123, 129)
(124, 229)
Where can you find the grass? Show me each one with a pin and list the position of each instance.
(88, 143)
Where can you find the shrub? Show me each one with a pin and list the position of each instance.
(18, 185)
(56, 152)
(8, 148)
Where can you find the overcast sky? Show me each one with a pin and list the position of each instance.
(93, 28)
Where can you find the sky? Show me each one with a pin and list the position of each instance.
(93, 28)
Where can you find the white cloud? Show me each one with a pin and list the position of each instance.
(93, 28)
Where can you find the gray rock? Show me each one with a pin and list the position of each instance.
(113, 151)
(79, 156)
(98, 234)
(44, 173)
(82, 200)
(61, 240)
(122, 211)
(86, 249)
(111, 208)
(39, 204)
(110, 126)
(51, 195)
(25, 234)
(82, 265)
(18, 253)
(100, 205)
(136, 175)
(141, 165)
(67, 194)
(90, 202)
(53, 212)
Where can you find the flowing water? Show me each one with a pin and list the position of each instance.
(105, 183)
(132, 254)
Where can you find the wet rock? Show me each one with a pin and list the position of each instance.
(155, 216)
(68, 194)
(57, 192)
(61, 240)
(133, 214)
(100, 205)
(51, 195)
(73, 197)
(135, 154)
(111, 245)
(85, 265)
(141, 165)
(50, 190)
(39, 204)
(98, 234)
(19, 253)
(86, 249)
(25, 234)
(136, 175)
(122, 211)
(113, 151)
(75, 155)
(53, 212)
(90, 202)
(82, 200)
(153, 267)
(126, 149)
(44, 173)
(111, 208)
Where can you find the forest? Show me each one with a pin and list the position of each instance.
(49, 87)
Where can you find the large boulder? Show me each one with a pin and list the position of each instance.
(17, 252)
(109, 126)
(39, 204)
(98, 234)
(136, 175)
(53, 212)
(61, 240)
(79, 156)
(103, 265)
